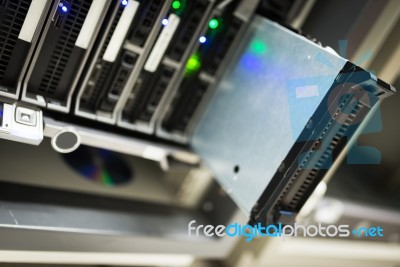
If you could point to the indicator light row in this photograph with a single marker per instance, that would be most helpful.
(64, 7)
(193, 64)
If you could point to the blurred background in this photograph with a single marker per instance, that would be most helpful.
(97, 190)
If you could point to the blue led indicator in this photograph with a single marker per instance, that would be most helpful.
(63, 7)
(164, 22)
(202, 39)
(124, 2)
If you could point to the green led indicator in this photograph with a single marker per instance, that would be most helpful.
(176, 5)
(258, 47)
(193, 64)
(213, 24)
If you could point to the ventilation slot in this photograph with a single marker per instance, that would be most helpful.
(147, 94)
(144, 23)
(10, 27)
(185, 104)
(224, 46)
(315, 170)
(118, 78)
(101, 71)
(111, 32)
(119, 82)
(186, 32)
(93, 87)
(157, 94)
(65, 43)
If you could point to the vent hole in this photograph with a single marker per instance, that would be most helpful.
(236, 169)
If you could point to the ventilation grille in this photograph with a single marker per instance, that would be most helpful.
(149, 11)
(126, 63)
(100, 73)
(9, 30)
(184, 105)
(223, 46)
(93, 87)
(192, 105)
(309, 179)
(185, 34)
(155, 97)
(147, 94)
(63, 49)
(119, 82)
(135, 94)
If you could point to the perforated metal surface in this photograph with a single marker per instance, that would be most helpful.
(263, 102)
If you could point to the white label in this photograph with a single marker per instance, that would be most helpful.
(307, 91)
(120, 31)
(90, 23)
(31, 21)
(162, 43)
